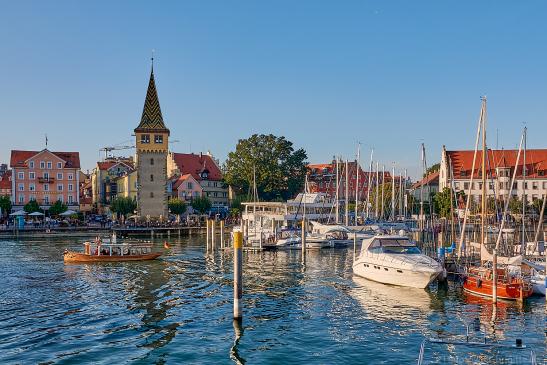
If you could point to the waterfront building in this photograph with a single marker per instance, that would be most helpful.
(184, 187)
(151, 137)
(501, 165)
(104, 184)
(86, 193)
(126, 184)
(5, 184)
(205, 170)
(322, 179)
(45, 176)
(428, 185)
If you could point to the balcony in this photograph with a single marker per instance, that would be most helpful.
(46, 180)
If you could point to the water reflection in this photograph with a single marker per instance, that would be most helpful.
(384, 302)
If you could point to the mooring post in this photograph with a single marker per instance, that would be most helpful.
(207, 229)
(354, 245)
(495, 277)
(212, 234)
(238, 274)
(222, 234)
(304, 239)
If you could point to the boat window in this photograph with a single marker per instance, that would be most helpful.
(393, 246)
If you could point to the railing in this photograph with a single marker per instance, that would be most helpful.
(46, 180)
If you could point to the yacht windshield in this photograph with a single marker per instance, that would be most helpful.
(394, 246)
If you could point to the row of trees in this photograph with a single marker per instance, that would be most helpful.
(442, 201)
(123, 206)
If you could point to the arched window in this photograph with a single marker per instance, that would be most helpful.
(151, 161)
(151, 177)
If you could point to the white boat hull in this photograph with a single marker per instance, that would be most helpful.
(538, 283)
(395, 276)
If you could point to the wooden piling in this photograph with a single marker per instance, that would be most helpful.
(207, 238)
(495, 277)
(303, 239)
(222, 234)
(238, 274)
(212, 234)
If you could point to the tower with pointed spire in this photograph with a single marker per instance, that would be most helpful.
(151, 161)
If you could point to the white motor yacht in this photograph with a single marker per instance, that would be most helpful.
(393, 259)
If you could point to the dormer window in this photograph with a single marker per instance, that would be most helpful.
(158, 138)
(204, 175)
(145, 138)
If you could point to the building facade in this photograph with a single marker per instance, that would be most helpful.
(425, 187)
(151, 138)
(322, 179)
(184, 187)
(104, 180)
(46, 177)
(205, 170)
(530, 178)
(5, 184)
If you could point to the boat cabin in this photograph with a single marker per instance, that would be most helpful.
(116, 249)
(392, 245)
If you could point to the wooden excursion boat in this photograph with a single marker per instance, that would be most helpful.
(112, 252)
(479, 281)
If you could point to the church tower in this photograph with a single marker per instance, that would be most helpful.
(151, 161)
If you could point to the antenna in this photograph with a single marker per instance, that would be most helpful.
(46, 140)
(152, 58)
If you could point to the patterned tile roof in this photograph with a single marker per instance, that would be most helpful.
(152, 119)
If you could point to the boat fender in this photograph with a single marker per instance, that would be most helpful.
(479, 283)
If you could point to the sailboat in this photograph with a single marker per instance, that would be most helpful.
(489, 280)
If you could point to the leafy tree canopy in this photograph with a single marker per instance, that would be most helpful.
(202, 204)
(32, 206)
(5, 204)
(123, 205)
(280, 170)
(57, 208)
(177, 206)
(434, 168)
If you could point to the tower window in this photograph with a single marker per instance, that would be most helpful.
(151, 177)
(145, 138)
(151, 161)
(151, 194)
(158, 138)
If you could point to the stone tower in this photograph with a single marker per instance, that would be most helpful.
(151, 161)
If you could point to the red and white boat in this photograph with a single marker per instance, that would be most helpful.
(479, 281)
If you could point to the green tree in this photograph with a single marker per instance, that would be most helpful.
(515, 205)
(202, 204)
(442, 201)
(537, 204)
(434, 168)
(123, 205)
(279, 169)
(57, 208)
(32, 206)
(236, 207)
(177, 207)
(5, 204)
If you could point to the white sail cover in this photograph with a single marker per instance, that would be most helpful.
(487, 256)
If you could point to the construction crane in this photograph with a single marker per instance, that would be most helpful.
(109, 149)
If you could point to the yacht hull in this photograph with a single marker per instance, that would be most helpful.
(386, 274)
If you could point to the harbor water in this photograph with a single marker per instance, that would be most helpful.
(178, 309)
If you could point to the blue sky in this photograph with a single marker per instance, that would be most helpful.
(391, 74)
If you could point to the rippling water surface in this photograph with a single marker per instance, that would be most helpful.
(179, 310)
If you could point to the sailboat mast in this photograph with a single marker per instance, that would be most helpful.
(405, 199)
(383, 189)
(376, 195)
(346, 195)
(357, 167)
(369, 181)
(393, 192)
(337, 193)
(450, 173)
(524, 199)
(422, 190)
(483, 175)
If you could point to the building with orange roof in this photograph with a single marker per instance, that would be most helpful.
(46, 177)
(5, 184)
(500, 168)
(104, 180)
(205, 170)
(184, 187)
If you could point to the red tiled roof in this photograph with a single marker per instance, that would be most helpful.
(19, 158)
(430, 179)
(5, 181)
(536, 160)
(105, 165)
(189, 163)
(180, 180)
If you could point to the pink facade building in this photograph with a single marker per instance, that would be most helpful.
(45, 176)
